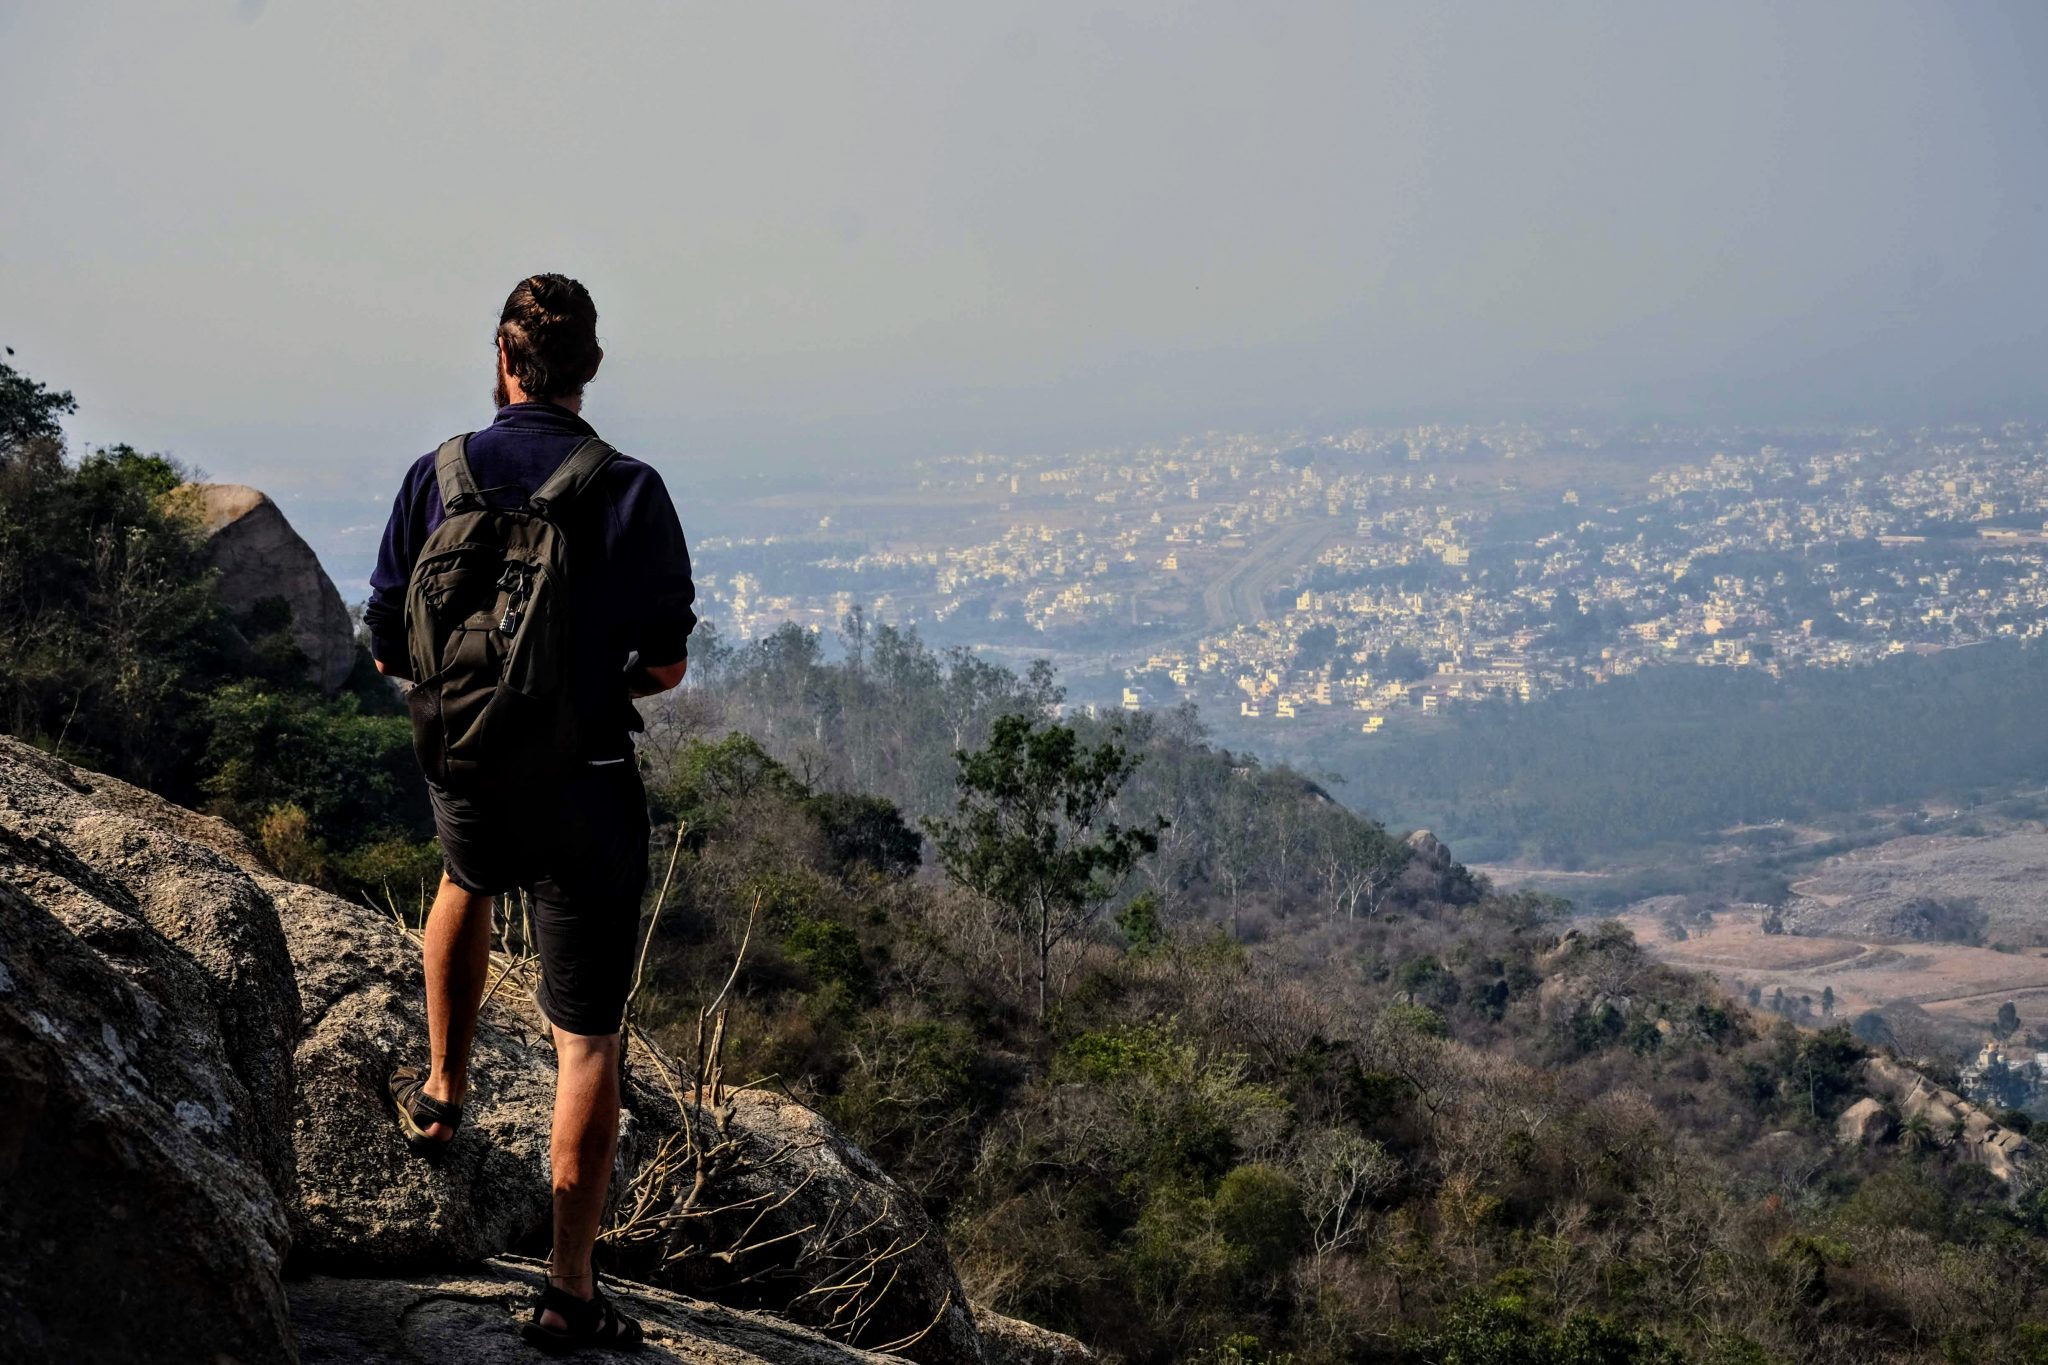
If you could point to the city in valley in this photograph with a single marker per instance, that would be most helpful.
(1351, 582)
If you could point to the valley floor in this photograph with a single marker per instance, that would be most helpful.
(1953, 982)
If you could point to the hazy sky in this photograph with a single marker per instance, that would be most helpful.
(272, 237)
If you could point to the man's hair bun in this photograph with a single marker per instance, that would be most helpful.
(549, 330)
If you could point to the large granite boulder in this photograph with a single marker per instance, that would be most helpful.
(136, 1219)
(260, 556)
(1865, 1123)
(365, 1203)
(108, 858)
(472, 1315)
(1428, 851)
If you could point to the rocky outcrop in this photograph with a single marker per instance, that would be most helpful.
(1865, 1123)
(260, 556)
(1946, 1117)
(790, 1204)
(108, 859)
(809, 1210)
(136, 1218)
(195, 1053)
(473, 1316)
(1007, 1341)
(366, 1205)
(1429, 851)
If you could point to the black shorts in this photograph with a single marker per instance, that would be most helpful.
(580, 850)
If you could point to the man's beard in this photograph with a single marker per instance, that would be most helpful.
(500, 396)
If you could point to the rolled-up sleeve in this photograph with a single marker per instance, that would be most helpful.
(668, 594)
(384, 613)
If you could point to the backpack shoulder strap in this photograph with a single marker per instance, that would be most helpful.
(576, 473)
(451, 469)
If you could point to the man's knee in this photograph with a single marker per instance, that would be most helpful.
(578, 1051)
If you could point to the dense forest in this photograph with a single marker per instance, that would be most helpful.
(1669, 756)
(1188, 1059)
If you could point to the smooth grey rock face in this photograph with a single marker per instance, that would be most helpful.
(1863, 1124)
(107, 859)
(474, 1316)
(1429, 850)
(135, 1219)
(259, 555)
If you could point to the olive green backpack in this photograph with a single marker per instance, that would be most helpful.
(488, 628)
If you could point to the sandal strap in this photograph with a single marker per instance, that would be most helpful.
(410, 1087)
(436, 1111)
(592, 1319)
(580, 1314)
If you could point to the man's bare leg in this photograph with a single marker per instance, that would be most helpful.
(585, 1138)
(458, 961)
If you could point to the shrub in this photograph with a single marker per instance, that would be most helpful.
(831, 953)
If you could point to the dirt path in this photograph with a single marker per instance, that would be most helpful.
(2003, 992)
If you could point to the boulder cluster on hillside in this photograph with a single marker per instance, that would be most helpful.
(197, 1161)
(1901, 1096)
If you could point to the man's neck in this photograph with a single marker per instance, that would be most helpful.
(574, 405)
(515, 394)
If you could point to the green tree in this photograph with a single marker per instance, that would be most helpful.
(29, 413)
(110, 629)
(1033, 832)
(1139, 923)
(2008, 1019)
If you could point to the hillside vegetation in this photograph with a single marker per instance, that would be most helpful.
(1267, 1120)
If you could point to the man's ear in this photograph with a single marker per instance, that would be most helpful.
(600, 361)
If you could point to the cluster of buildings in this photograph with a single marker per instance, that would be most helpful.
(2005, 1078)
(1372, 573)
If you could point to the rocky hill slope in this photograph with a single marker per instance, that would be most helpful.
(196, 1161)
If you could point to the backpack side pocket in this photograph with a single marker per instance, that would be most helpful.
(429, 729)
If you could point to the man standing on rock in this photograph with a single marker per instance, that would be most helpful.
(532, 581)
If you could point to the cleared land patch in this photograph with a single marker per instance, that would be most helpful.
(1951, 980)
(2005, 875)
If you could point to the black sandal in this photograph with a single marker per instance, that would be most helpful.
(417, 1109)
(592, 1324)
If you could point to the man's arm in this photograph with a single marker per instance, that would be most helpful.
(668, 593)
(384, 614)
